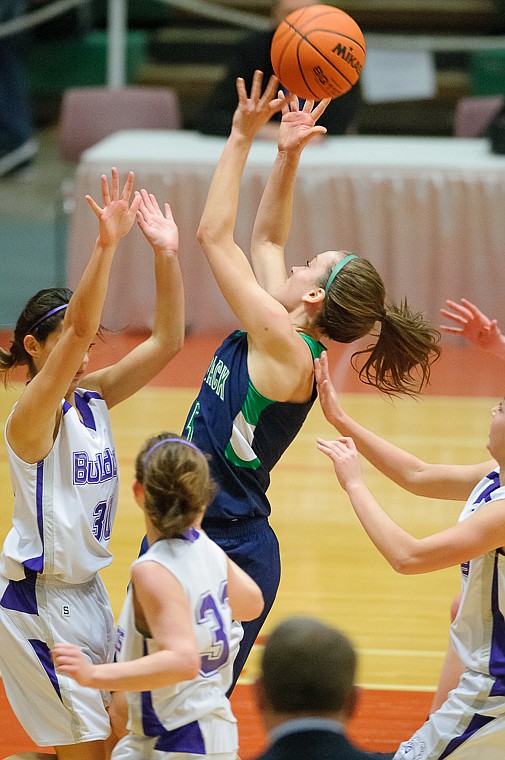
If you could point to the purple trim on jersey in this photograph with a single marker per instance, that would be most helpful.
(37, 563)
(82, 405)
(151, 724)
(191, 535)
(497, 654)
(43, 653)
(66, 406)
(477, 722)
(20, 595)
(485, 495)
(186, 738)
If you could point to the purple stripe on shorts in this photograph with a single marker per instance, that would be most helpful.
(477, 722)
(20, 595)
(43, 653)
(187, 738)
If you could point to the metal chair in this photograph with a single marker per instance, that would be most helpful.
(88, 114)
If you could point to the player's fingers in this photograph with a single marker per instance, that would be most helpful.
(128, 186)
(256, 85)
(241, 90)
(454, 317)
(459, 308)
(321, 108)
(94, 205)
(147, 200)
(473, 309)
(114, 184)
(105, 189)
(270, 89)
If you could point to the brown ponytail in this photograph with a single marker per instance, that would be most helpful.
(399, 362)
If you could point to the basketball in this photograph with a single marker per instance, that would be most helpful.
(318, 52)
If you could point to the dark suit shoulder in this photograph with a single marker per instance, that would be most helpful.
(316, 745)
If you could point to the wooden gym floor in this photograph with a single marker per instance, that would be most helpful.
(330, 568)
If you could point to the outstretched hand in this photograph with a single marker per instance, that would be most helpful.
(298, 126)
(69, 660)
(326, 392)
(255, 110)
(116, 216)
(472, 324)
(344, 455)
(160, 230)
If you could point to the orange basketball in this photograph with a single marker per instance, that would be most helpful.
(318, 52)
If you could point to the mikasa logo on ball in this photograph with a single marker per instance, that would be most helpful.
(348, 57)
(318, 51)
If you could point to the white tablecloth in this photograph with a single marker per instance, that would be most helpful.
(428, 212)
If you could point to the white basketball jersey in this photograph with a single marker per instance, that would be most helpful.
(64, 505)
(201, 568)
(478, 632)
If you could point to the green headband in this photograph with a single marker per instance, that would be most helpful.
(336, 269)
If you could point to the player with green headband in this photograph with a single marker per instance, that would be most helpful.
(260, 384)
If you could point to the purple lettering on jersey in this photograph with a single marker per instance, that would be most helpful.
(101, 468)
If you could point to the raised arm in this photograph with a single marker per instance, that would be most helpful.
(228, 262)
(470, 323)
(480, 533)
(273, 220)
(139, 366)
(32, 425)
(439, 481)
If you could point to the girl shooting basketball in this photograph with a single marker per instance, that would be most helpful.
(260, 385)
(64, 473)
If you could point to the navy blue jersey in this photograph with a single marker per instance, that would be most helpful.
(244, 432)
